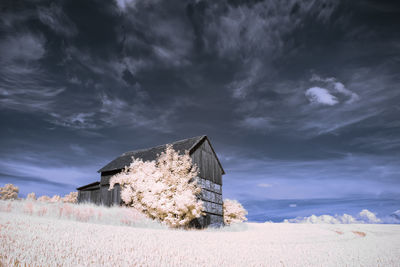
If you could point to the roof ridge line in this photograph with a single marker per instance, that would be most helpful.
(178, 141)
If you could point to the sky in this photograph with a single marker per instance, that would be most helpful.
(300, 99)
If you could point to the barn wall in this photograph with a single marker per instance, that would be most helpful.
(211, 195)
(210, 180)
(105, 176)
(90, 196)
(83, 196)
(116, 195)
(110, 197)
(101, 196)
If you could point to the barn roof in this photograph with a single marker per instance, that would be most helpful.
(149, 154)
(88, 185)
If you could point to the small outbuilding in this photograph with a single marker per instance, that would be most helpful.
(202, 154)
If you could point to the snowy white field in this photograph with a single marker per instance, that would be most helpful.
(53, 238)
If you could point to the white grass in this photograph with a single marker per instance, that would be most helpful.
(79, 212)
(50, 241)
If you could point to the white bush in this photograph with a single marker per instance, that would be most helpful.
(31, 196)
(44, 199)
(9, 191)
(72, 197)
(164, 189)
(233, 212)
(55, 198)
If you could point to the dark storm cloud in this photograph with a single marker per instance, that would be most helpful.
(293, 94)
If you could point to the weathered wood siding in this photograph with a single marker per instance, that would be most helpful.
(210, 180)
(110, 197)
(105, 177)
(91, 196)
(211, 195)
(207, 163)
(101, 196)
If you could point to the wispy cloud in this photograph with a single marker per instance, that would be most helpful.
(257, 123)
(39, 173)
(22, 47)
(24, 86)
(113, 111)
(380, 141)
(127, 5)
(54, 17)
(254, 29)
(167, 40)
(54, 174)
(248, 81)
(264, 185)
(75, 120)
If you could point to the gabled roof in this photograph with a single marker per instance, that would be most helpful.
(88, 185)
(149, 154)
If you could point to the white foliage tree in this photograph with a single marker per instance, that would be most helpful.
(9, 191)
(164, 189)
(233, 212)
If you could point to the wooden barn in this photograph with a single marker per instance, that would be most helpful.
(202, 153)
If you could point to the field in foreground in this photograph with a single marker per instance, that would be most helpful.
(50, 242)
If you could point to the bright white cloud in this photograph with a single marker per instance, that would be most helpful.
(369, 217)
(332, 86)
(320, 95)
(365, 216)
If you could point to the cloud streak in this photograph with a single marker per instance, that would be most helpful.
(55, 18)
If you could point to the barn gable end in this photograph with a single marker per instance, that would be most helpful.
(206, 159)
